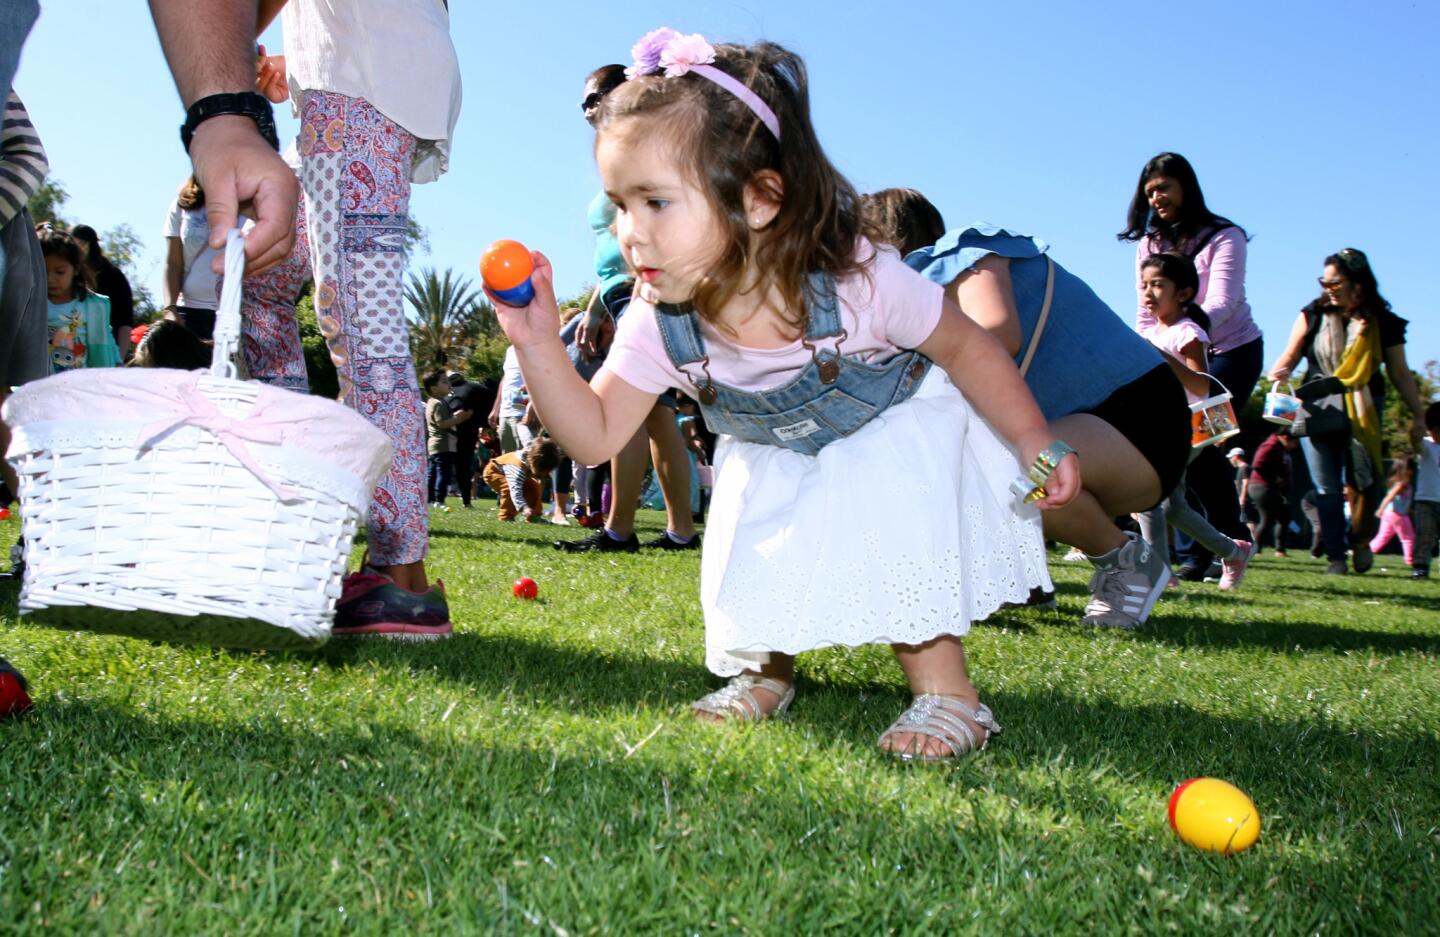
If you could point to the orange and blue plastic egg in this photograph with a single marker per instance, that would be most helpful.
(506, 267)
(1215, 816)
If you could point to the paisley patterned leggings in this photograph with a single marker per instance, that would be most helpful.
(350, 231)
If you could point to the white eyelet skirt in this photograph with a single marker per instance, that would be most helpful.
(902, 532)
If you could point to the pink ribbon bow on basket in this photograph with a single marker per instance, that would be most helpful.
(198, 411)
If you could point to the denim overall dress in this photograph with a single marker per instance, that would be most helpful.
(829, 527)
(829, 399)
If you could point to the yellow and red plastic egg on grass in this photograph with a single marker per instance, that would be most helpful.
(506, 267)
(1215, 816)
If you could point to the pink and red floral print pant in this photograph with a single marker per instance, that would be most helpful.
(350, 233)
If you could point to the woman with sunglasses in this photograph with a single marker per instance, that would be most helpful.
(1345, 336)
(1168, 213)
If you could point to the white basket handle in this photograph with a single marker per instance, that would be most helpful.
(1217, 381)
(227, 314)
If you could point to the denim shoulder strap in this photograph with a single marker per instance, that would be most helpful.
(680, 333)
(823, 316)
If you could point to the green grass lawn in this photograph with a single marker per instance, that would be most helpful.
(539, 772)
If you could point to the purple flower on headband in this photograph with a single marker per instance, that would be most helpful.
(682, 53)
(648, 50)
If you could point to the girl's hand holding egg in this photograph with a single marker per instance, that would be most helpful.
(520, 283)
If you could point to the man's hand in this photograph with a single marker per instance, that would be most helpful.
(239, 170)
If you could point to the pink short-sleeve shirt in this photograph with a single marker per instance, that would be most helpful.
(886, 309)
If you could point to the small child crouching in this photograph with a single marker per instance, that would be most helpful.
(515, 477)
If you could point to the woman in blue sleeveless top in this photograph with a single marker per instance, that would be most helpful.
(1104, 389)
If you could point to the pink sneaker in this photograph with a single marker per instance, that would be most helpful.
(371, 604)
(1233, 571)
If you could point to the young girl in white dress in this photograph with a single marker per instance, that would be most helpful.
(861, 495)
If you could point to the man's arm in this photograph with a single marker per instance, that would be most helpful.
(23, 165)
(210, 45)
(269, 9)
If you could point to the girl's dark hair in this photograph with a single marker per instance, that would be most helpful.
(168, 344)
(55, 243)
(1180, 270)
(95, 256)
(725, 147)
(1355, 267)
(191, 195)
(902, 218)
(1195, 217)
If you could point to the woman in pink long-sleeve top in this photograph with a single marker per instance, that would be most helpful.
(1168, 213)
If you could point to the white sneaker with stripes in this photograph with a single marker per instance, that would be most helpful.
(1123, 594)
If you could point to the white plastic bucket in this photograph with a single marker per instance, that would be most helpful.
(1281, 407)
(1212, 420)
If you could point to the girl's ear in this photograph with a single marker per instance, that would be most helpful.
(1184, 296)
(763, 194)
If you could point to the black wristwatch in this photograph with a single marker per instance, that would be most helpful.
(246, 103)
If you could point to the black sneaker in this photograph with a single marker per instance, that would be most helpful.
(1420, 572)
(663, 542)
(1191, 572)
(1362, 559)
(600, 542)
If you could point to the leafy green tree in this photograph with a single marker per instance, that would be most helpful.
(123, 246)
(1397, 419)
(417, 238)
(443, 320)
(46, 203)
(324, 381)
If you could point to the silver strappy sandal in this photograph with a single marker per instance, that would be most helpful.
(736, 699)
(940, 717)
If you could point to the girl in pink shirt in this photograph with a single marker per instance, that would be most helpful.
(1168, 285)
(859, 498)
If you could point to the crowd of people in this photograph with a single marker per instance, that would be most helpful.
(758, 318)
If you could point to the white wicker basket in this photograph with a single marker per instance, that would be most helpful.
(188, 506)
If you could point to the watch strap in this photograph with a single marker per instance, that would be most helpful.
(244, 103)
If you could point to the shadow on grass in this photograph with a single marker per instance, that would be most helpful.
(178, 783)
(582, 678)
(1193, 629)
(1297, 761)
(1382, 595)
(1049, 736)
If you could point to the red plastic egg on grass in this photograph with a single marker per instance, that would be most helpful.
(525, 588)
(1215, 816)
(4, 514)
(506, 267)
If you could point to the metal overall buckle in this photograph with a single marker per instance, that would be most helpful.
(829, 368)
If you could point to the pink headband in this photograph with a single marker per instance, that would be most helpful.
(679, 54)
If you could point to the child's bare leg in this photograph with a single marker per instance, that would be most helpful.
(407, 575)
(937, 667)
(780, 667)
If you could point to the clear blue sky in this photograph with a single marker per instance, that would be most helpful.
(1313, 125)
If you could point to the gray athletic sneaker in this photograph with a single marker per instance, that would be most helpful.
(1125, 589)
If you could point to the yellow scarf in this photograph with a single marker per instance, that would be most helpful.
(1356, 368)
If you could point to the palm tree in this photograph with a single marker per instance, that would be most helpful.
(442, 312)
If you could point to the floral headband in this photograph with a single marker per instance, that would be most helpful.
(678, 54)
